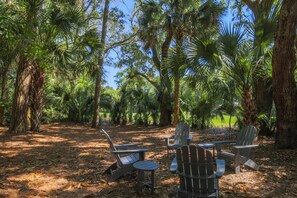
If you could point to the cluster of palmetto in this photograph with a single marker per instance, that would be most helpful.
(136, 104)
(42, 39)
(186, 41)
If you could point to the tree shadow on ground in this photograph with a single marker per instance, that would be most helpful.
(67, 160)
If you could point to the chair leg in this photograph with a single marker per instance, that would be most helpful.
(120, 172)
(250, 163)
(110, 169)
(237, 168)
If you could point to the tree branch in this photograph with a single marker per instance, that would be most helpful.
(155, 84)
(122, 42)
(156, 57)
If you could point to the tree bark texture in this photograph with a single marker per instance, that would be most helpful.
(264, 100)
(176, 100)
(165, 87)
(164, 96)
(3, 96)
(263, 96)
(36, 97)
(19, 114)
(284, 84)
(165, 109)
(248, 107)
(99, 71)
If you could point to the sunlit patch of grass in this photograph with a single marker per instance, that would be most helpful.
(218, 122)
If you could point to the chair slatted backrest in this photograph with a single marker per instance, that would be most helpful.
(195, 169)
(112, 147)
(246, 136)
(182, 131)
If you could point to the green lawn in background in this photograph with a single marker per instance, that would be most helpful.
(218, 122)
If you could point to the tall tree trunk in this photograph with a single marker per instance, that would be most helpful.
(179, 43)
(99, 71)
(165, 90)
(284, 84)
(3, 96)
(165, 109)
(19, 113)
(262, 90)
(36, 97)
(176, 100)
(263, 96)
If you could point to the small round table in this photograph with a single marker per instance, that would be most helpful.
(209, 146)
(143, 166)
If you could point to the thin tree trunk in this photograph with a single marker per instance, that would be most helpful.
(99, 71)
(36, 97)
(179, 41)
(176, 100)
(19, 113)
(284, 84)
(230, 118)
(3, 97)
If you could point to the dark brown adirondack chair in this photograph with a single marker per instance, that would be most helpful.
(181, 137)
(242, 149)
(195, 167)
(126, 155)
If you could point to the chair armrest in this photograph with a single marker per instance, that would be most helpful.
(246, 146)
(169, 136)
(130, 151)
(224, 142)
(189, 138)
(219, 143)
(173, 166)
(220, 167)
(126, 145)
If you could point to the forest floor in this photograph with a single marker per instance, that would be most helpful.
(67, 160)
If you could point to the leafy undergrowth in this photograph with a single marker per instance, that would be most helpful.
(67, 160)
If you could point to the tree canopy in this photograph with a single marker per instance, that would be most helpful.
(176, 60)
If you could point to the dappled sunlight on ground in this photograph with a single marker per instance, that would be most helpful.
(68, 160)
(40, 181)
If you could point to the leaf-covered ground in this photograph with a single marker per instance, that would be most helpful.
(67, 160)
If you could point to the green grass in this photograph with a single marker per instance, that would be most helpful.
(218, 122)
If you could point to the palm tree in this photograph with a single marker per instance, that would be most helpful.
(162, 22)
(262, 28)
(41, 24)
(231, 54)
(235, 55)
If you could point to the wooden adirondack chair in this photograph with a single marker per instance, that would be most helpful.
(125, 158)
(242, 149)
(195, 167)
(181, 137)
